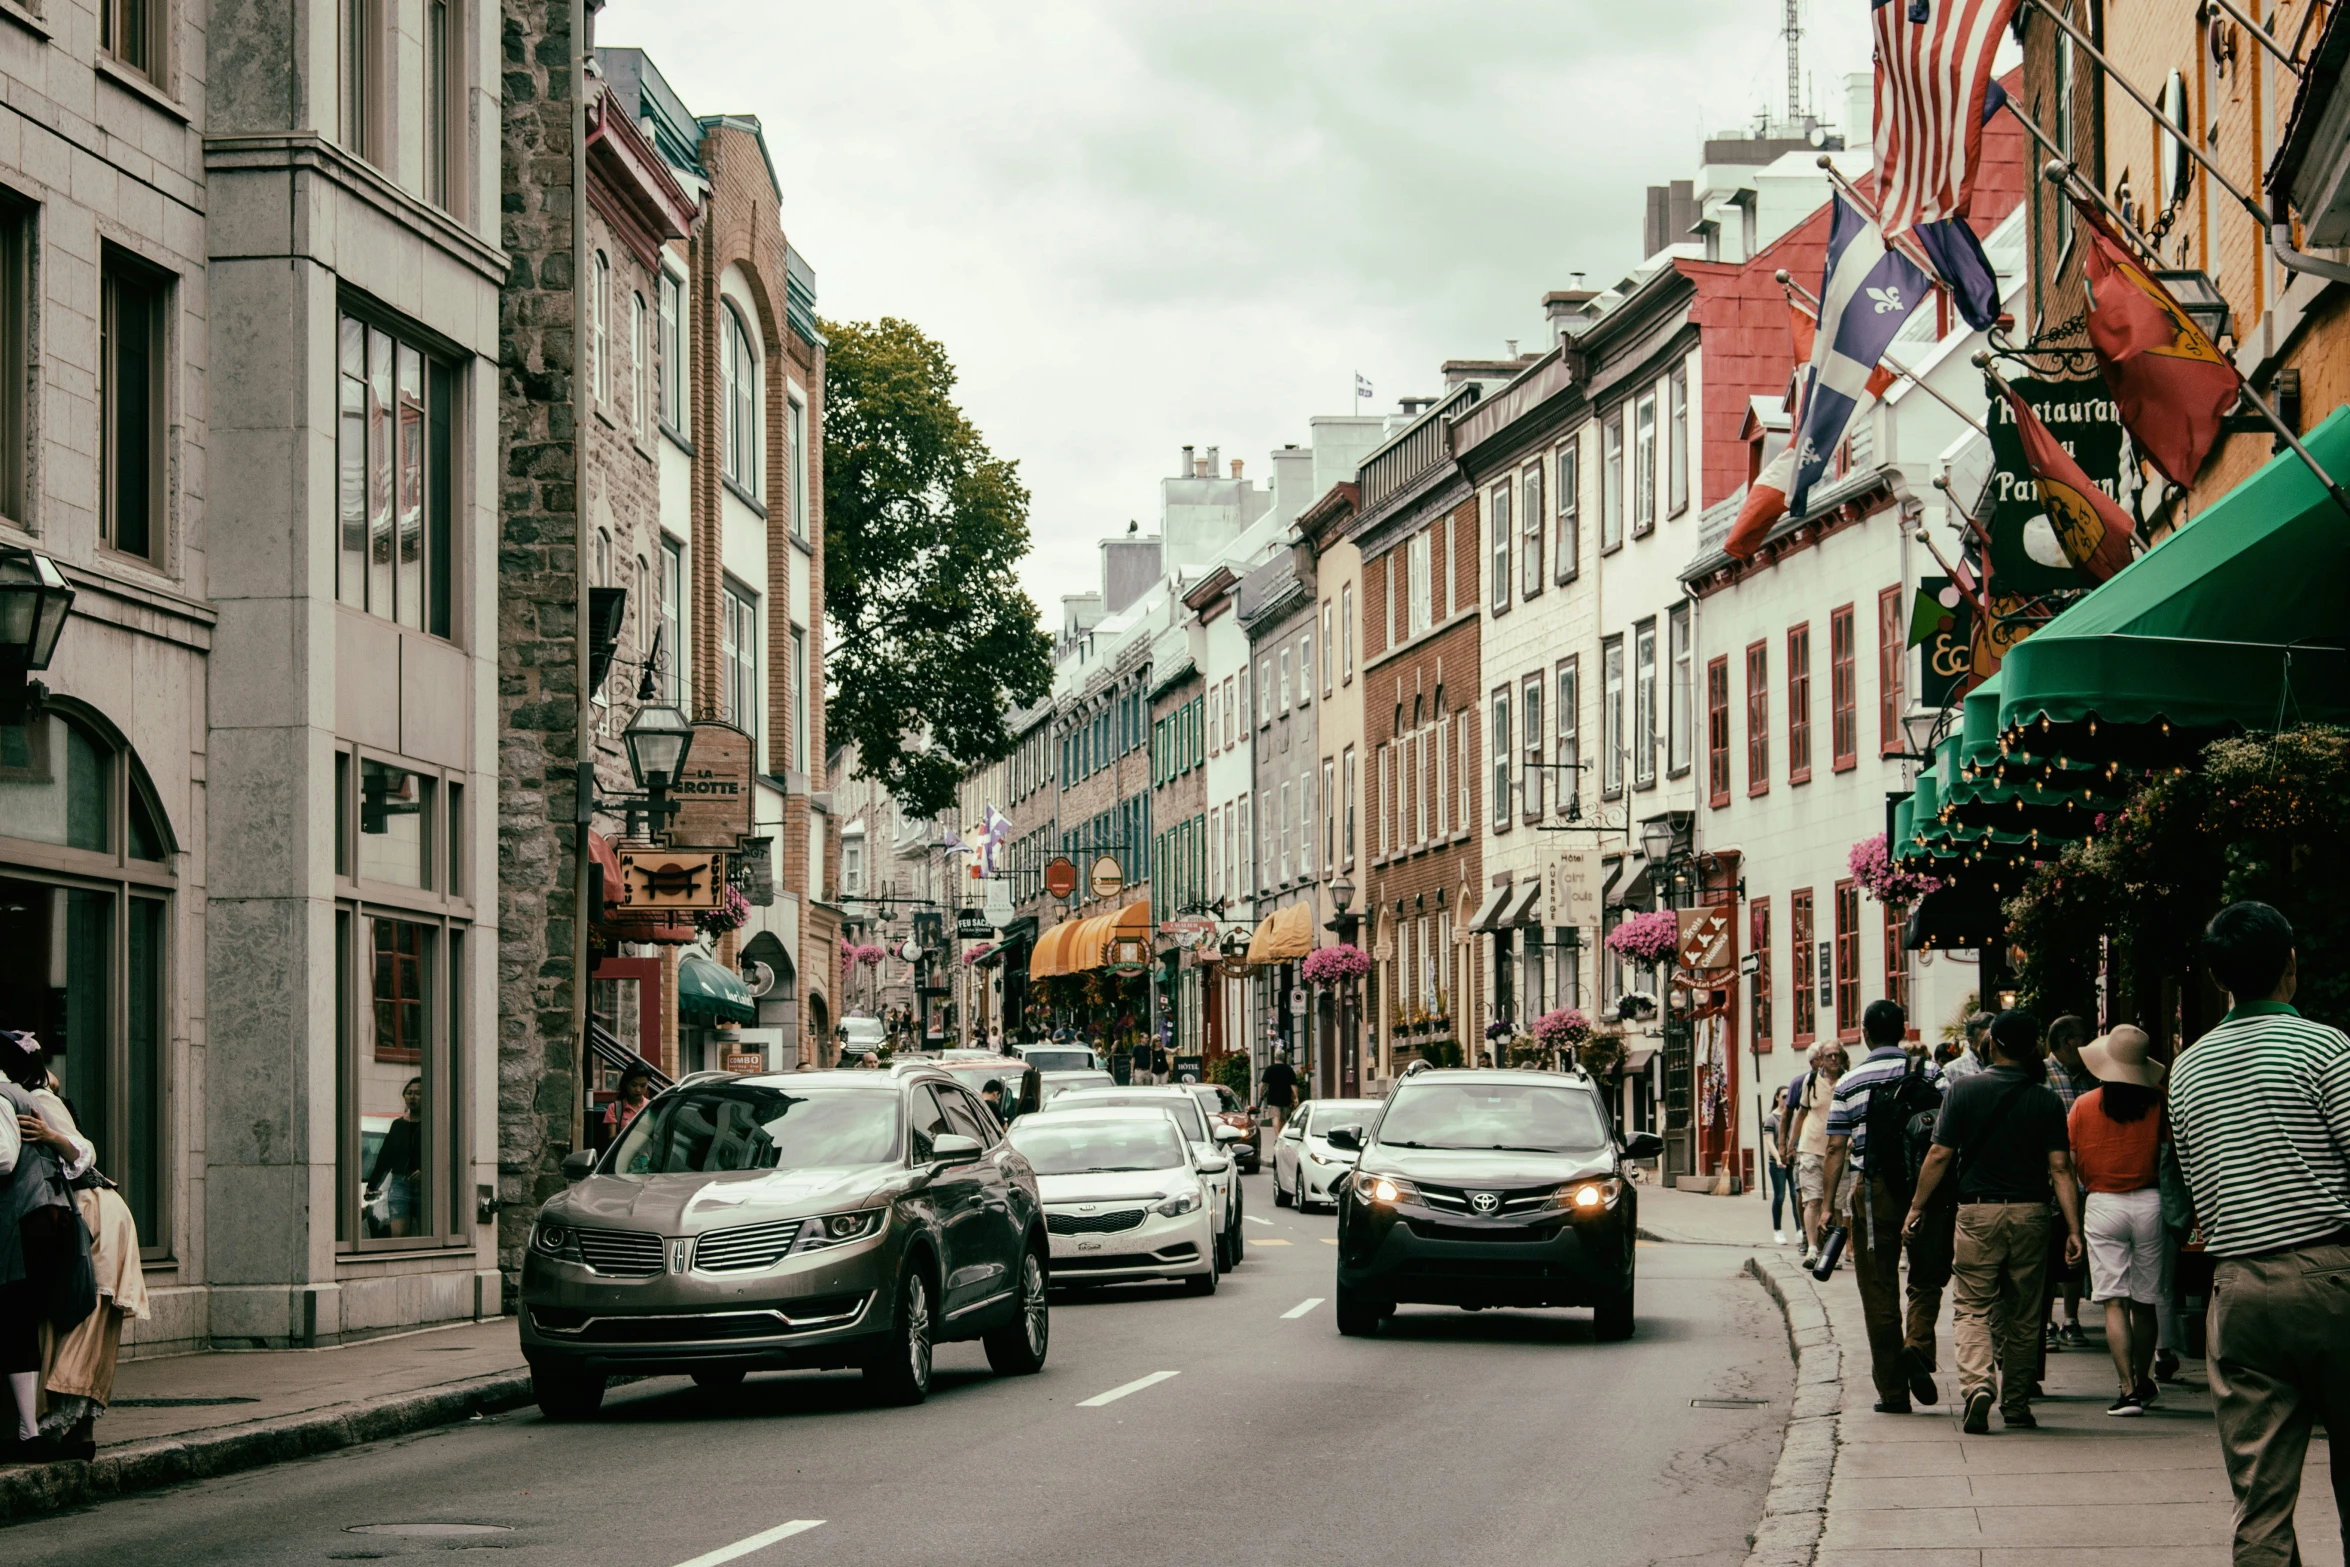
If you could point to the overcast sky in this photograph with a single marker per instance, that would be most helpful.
(1136, 223)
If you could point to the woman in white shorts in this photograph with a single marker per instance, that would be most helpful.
(2117, 1133)
(1809, 1138)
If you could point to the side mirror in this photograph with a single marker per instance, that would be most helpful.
(1643, 1145)
(1226, 1134)
(579, 1164)
(1214, 1164)
(954, 1148)
(1346, 1137)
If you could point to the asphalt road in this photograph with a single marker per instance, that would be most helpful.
(1266, 1437)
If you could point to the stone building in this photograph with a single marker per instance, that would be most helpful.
(1179, 847)
(1278, 611)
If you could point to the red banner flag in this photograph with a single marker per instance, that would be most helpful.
(2173, 383)
(2093, 529)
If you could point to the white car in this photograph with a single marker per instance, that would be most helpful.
(1210, 1148)
(1306, 1169)
(1123, 1197)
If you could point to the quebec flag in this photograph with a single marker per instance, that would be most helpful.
(1865, 296)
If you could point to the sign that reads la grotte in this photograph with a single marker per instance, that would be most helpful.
(714, 797)
(2026, 556)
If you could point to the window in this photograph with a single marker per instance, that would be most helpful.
(1284, 821)
(1305, 669)
(1247, 862)
(1443, 810)
(795, 435)
(1465, 748)
(444, 69)
(1382, 774)
(1566, 742)
(134, 31)
(1759, 942)
(1568, 555)
(1677, 446)
(398, 989)
(1611, 482)
(1284, 667)
(1346, 632)
(1306, 806)
(672, 592)
(1419, 604)
(1806, 994)
(1265, 690)
(1758, 719)
(1347, 783)
(1611, 717)
(16, 351)
(1329, 803)
(1497, 523)
(1242, 711)
(1501, 759)
(1892, 672)
(1532, 524)
(396, 828)
(1644, 704)
(1530, 722)
(1717, 732)
(1680, 692)
(1847, 960)
(393, 480)
(1843, 690)
(132, 383)
(1896, 959)
(640, 370)
(1329, 643)
(599, 305)
(738, 399)
(364, 51)
(1644, 465)
(738, 660)
(1799, 704)
(799, 699)
(676, 357)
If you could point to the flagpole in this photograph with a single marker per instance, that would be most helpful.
(1800, 292)
(2059, 167)
(1981, 533)
(1904, 244)
(2179, 134)
(1981, 602)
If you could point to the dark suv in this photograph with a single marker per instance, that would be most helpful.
(811, 1219)
(1489, 1188)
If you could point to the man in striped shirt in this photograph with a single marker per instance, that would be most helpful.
(2260, 1115)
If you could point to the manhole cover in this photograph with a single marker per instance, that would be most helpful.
(433, 1530)
(175, 1403)
(1727, 1403)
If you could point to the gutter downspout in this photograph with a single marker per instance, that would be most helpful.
(584, 805)
(2280, 244)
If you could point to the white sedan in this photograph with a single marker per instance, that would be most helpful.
(1306, 1169)
(1123, 1197)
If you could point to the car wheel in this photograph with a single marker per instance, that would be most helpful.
(566, 1392)
(1280, 1197)
(1358, 1317)
(1202, 1283)
(1239, 1246)
(1017, 1348)
(899, 1372)
(720, 1378)
(1612, 1319)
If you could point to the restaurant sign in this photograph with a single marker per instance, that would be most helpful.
(714, 798)
(2026, 556)
(670, 881)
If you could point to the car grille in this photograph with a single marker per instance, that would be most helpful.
(1093, 1223)
(1455, 1199)
(1181, 1251)
(621, 1254)
(1484, 1268)
(702, 1327)
(1480, 1233)
(752, 1246)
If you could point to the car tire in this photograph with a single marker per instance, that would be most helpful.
(1017, 1349)
(565, 1391)
(1357, 1316)
(1611, 1320)
(1201, 1283)
(1239, 1246)
(899, 1370)
(1280, 1197)
(719, 1379)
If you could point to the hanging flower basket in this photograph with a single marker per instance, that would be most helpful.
(1647, 938)
(1498, 1031)
(1883, 880)
(733, 913)
(1327, 966)
(1603, 1056)
(1563, 1029)
(870, 954)
(972, 955)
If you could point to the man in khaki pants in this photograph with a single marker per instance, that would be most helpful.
(2005, 1130)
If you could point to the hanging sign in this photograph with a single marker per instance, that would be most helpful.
(1571, 892)
(998, 892)
(1109, 877)
(1705, 939)
(973, 925)
(663, 881)
(1060, 876)
(714, 795)
(2026, 557)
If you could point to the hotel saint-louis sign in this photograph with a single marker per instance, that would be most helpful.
(714, 798)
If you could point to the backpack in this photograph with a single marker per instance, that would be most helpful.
(1900, 1120)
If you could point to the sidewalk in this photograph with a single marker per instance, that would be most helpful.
(189, 1416)
(1667, 1214)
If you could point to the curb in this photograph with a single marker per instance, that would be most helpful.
(34, 1489)
(1796, 1509)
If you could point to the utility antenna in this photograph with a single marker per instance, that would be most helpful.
(1792, 31)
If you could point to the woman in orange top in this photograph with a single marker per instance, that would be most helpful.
(2117, 1142)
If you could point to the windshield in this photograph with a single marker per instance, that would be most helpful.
(1071, 1060)
(742, 1126)
(1067, 1145)
(1184, 1109)
(1326, 1119)
(1212, 1097)
(1531, 1117)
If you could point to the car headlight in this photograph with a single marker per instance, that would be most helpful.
(555, 1240)
(1386, 1190)
(1180, 1203)
(837, 1229)
(1588, 1196)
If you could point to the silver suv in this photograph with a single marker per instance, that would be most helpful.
(809, 1219)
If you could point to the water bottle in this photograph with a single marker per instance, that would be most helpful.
(1831, 1248)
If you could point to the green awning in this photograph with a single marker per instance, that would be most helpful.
(2199, 633)
(709, 992)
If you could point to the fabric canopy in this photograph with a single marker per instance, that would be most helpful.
(1284, 935)
(2232, 622)
(1520, 909)
(1490, 909)
(710, 992)
(1089, 947)
(1048, 958)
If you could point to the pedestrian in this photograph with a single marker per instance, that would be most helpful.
(1808, 1137)
(1775, 1166)
(991, 1094)
(2069, 1078)
(2005, 1131)
(636, 1087)
(77, 1367)
(32, 1189)
(1279, 1088)
(1975, 1054)
(2260, 1118)
(396, 1180)
(2117, 1145)
(1873, 1103)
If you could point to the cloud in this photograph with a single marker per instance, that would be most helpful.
(1136, 225)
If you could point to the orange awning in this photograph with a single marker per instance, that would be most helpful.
(1050, 957)
(1283, 936)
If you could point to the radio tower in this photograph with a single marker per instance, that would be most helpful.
(1793, 32)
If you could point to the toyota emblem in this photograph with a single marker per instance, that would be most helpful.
(1485, 1202)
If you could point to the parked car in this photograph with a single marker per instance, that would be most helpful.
(1208, 1142)
(1489, 1188)
(815, 1219)
(1307, 1169)
(1059, 1056)
(861, 1035)
(1124, 1196)
(1225, 1106)
(975, 1069)
(1051, 1085)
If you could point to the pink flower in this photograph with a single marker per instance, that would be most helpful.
(1647, 938)
(1329, 965)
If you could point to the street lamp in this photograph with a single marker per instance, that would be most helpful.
(658, 740)
(1656, 839)
(1350, 1056)
(34, 600)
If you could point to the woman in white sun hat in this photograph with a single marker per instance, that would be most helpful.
(2117, 1131)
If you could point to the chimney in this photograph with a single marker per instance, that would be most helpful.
(1189, 468)
(1658, 215)
(1236, 467)
(1200, 468)
(1860, 109)
(1214, 462)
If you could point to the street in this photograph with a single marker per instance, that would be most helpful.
(1499, 1436)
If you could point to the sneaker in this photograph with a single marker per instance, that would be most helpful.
(1778, 1237)
(1921, 1379)
(1892, 1406)
(2074, 1338)
(2166, 1365)
(2019, 1420)
(2146, 1392)
(1978, 1413)
(2126, 1404)
(2049, 1336)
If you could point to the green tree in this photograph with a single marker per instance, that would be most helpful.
(932, 641)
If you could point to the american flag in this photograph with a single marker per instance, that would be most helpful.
(1933, 69)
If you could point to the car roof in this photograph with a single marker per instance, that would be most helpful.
(1516, 1074)
(1098, 1113)
(857, 1078)
(1064, 1073)
(1348, 1104)
(1163, 1090)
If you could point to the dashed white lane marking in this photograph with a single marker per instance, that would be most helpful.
(1302, 1307)
(1115, 1394)
(757, 1542)
(1273, 1242)
(1253, 1219)
(1329, 1240)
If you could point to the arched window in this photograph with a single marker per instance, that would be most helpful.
(640, 370)
(738, 363)
(599, 348)
(86, 885)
